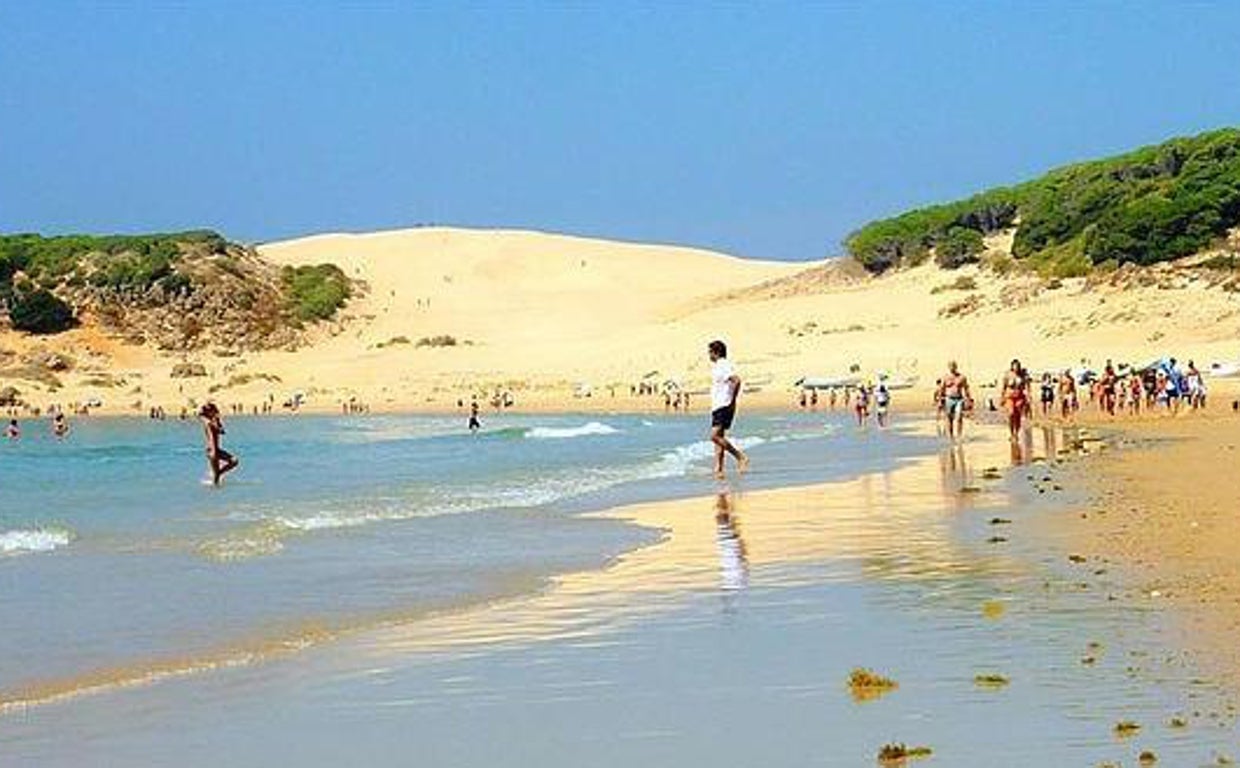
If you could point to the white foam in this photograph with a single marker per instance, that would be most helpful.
(34, 540)
(562, 433)
(523, 495)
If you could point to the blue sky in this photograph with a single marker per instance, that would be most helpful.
(767, 130)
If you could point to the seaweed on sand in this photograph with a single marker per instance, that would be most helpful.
(1126, 728)
(897, 754)
(866, 684)
(990, 680)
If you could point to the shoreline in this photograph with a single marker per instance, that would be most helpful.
(923, 523)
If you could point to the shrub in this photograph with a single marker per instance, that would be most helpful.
(315, 292)
(39, 311)
(442, 340)
(1148, 206)
(959, 246)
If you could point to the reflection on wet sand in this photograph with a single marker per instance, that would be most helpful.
(890, 525)
(733, 557)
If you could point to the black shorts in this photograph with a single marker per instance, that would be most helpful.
(722, 417)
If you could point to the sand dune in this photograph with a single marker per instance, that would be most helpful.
(540, 313)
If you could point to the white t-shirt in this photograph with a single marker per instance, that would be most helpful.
(720, 387)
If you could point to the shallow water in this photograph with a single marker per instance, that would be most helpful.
(728, 641)
(330, 524)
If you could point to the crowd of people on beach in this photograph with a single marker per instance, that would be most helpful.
(864, 399)
(1164, 387)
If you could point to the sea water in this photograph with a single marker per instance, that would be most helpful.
(114, 555)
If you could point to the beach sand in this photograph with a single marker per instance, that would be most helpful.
(1163, 511)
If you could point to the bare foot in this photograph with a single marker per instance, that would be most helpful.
(742, 464)
(719, 475)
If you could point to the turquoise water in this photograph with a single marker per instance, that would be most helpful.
(333, 524)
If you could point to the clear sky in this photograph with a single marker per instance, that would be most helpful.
(769, 130)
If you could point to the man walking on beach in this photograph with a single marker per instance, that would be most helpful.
(956, 398)
(724, 388)
(219, 461)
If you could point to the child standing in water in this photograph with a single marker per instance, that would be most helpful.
(219, 461)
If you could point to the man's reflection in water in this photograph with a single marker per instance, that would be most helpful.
(733, 557)
(953, 468)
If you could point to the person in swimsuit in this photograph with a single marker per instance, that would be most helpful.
(1135, 392)
(862, 406)
(882, 402)
(1106, 387)
(724, 389)
(13, 431)
(1048, 395)
(60, 427)
(219, 461)
(1196, 387)
(956, 397)
(474, 423)
(1067, 394)
(1015, 398)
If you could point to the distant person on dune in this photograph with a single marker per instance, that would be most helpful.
(724, 388)
(219, 461)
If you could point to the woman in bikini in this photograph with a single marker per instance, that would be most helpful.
(1016, 398)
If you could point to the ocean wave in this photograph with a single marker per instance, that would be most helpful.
(562, 433)
(17, 542)
(268, 529)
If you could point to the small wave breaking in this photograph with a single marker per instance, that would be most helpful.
(563, 433)
(27, 541)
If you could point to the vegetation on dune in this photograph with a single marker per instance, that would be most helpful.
(315, 292)
(118, 261)
(180, 290)
(1156, 204)
(39, 311)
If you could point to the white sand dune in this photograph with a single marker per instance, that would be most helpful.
(538, 313)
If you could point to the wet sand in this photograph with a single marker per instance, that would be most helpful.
(1162, 512)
